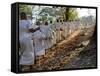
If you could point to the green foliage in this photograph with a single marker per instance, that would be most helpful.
(46, 13)
(42, 18)
(50, 13)
(25, 8)
(68, 13)
(48, 10)
(73, 14)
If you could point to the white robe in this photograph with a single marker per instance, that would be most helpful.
(58, 32)
(64, 34)
(53, 34)
(27, 49)
(38, 42)
(47, 31)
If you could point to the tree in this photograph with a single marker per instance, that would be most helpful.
(26, 8)
(67, 13)
(71, 14)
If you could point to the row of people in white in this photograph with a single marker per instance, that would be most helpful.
(34, 44)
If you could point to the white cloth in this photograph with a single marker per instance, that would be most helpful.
(27, 51)
(50, 41)
(38, 42)
(64, 26)
(48, 33)
(58, 32)
(53, 31)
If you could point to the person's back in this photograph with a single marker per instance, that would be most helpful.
(58, 26)
(38, 43)
(23, 28)
(26, 44)
(46, 29)
(53, 33)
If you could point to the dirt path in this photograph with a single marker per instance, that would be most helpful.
(64, 55)
(59, 55)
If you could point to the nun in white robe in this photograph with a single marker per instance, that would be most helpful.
(58, 31)
(46, 29)
(38, 42)
(64, 34)
(52, 27)
(50, 36)
(70, 27)
(27, 50)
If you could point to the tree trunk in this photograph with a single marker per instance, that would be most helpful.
(67, 14)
